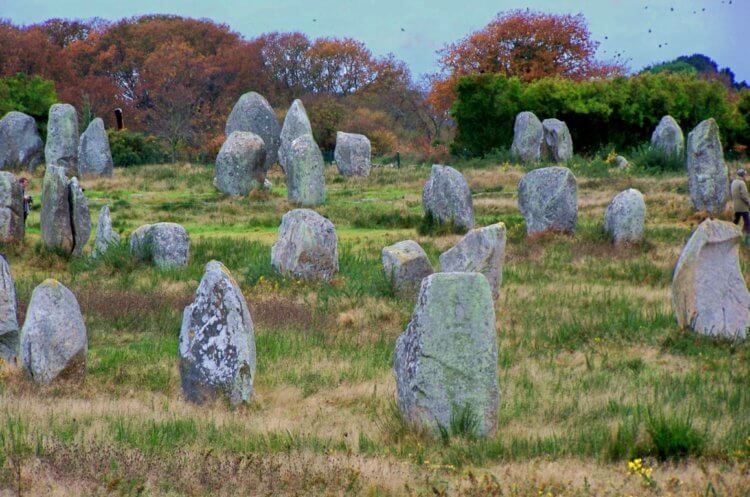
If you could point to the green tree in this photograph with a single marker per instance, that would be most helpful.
(31, 95)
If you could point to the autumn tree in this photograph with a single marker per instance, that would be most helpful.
(525, 44)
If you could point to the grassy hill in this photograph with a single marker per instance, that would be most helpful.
(593, 370)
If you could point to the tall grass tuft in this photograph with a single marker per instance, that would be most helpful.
(652, 160)
(674, 437)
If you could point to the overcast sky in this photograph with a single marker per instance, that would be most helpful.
(717, 28)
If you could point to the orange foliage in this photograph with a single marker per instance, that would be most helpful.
(526, 44)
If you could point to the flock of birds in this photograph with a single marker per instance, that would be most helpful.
(620, 55)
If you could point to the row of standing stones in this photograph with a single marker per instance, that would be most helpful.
(87, 154)
(255, 142)
(447, 357)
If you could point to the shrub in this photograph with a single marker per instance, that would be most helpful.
(130, 148)
(31, 95)
(620, 112)
(383, 141)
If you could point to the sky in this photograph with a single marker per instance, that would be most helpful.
(415, 30)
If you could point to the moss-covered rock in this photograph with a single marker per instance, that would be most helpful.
(446, 360)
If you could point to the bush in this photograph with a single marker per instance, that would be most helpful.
(132, 149)
(31, 95)
(620, 112)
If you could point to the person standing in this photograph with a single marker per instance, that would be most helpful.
(27, 200)
(741, 201)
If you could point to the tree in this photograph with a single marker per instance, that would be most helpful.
(340, 66)
(701, 65)
(525, 44)
(31, 95)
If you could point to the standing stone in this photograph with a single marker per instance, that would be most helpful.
(167, 245)
(405, 264)
(296, 124)
(65, 217)
(305, 171)
(668, 137)
(307, 246)
(8, 314)
(446, 360)
(217, 341)
(62, 137)
(709, 295)
(21, 147)
(106, 237)
(57, 232)
(527, 138)
(708, 178)
(352, 154)
(547, 198)
(53, 341)
(12, 228)
(80, 217)
(481, 250)
(625, 217)
(557, 144)
(241, 165)
(253, 113)
(94, 155)
(447, 198)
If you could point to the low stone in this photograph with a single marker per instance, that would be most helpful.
(170, 245)
(166, 245)
(557, 144)
(61, 148)
(307, 246)
(80, 217)
(21, 147)
(352, 154)
(621, 162)
(12, 227)
(8, 314)
(241, 164)
(709, 294)
(547, 198)
(57, 231)
(217, 341)
(446, 360)
(296, 124)
(94, 155)
(625, 216)
(447, 198)
(305, 171)
(253, 113)
(708, 177)
(668, 137)
(481, 250)
(405, 265)
(527, 138)
(106, 236)
(53, 341)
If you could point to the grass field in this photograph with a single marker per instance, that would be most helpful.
(593, 370)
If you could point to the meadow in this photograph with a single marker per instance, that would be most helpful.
(594, 372)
